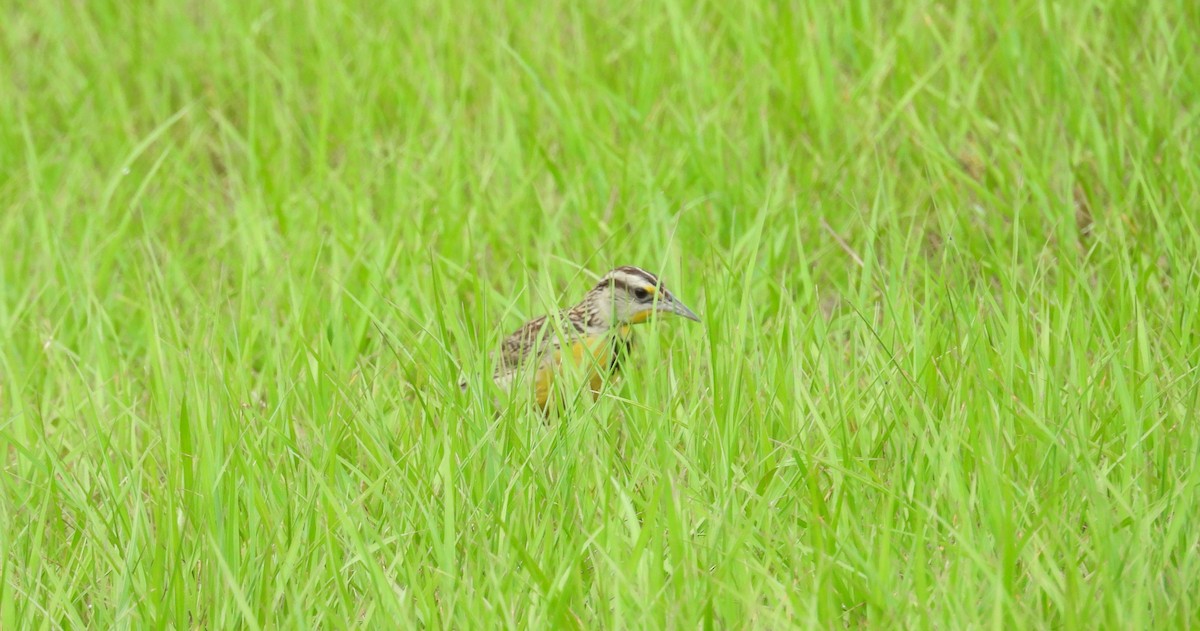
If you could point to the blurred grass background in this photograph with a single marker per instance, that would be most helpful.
(946, 254)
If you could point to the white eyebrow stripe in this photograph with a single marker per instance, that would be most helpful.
(628, 273)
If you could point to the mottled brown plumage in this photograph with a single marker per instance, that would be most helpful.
(595, 334)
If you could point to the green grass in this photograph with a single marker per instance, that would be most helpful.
(946, 255)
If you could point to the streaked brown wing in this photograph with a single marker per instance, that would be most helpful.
(535, 341)
(515, 350)
(525, 342)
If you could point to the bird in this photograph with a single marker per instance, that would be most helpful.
(594, 336)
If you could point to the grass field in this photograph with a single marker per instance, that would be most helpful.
(946, 254)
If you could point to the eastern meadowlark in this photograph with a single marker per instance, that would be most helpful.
(594, 336)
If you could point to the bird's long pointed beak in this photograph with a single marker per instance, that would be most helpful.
(678, 308)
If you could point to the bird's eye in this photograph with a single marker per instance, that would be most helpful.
(640, 293)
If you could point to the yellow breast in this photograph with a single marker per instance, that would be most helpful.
(585, 358)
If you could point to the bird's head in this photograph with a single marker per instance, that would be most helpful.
(634, 295)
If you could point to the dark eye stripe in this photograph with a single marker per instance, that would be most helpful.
(639, 293)
(643, 293)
